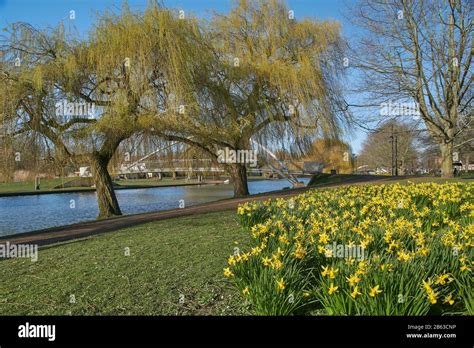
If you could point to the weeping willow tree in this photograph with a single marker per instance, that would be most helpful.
(128, 63)
(24, 94)
(260, 75)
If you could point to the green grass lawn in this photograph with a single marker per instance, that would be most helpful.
(169, 260)
(28, 186)
(323, 179)
(49, 184)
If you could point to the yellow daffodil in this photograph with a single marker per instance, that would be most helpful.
(300, 252)
(277, 264)
(266, 261)
(427, 285)
(353, 279)
(281, 284)
(231, 260)
(332, 289)
(227, 272)
(432, 296)
(329, 272)
(374, 291)
(332, 272)
(322, 249)
(323, 238)
(449, 299)
(442, 279)
(355, 293)
(384, 266)
(325, 271)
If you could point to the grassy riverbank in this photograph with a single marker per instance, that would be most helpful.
(174, 268)
(48, 185)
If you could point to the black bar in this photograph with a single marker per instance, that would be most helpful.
(242, 330)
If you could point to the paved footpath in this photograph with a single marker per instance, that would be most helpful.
(85, 229)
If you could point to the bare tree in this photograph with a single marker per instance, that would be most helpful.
(420, 51)
(381, 150)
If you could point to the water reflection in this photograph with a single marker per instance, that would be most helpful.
(28, 213)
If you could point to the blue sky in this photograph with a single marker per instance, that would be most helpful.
(50, 12)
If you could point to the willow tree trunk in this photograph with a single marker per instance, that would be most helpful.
(106, 199)
(446, 159)
(238, 173)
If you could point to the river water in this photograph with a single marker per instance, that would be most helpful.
(28, 213)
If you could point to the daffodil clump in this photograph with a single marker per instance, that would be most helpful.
(417, 259)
